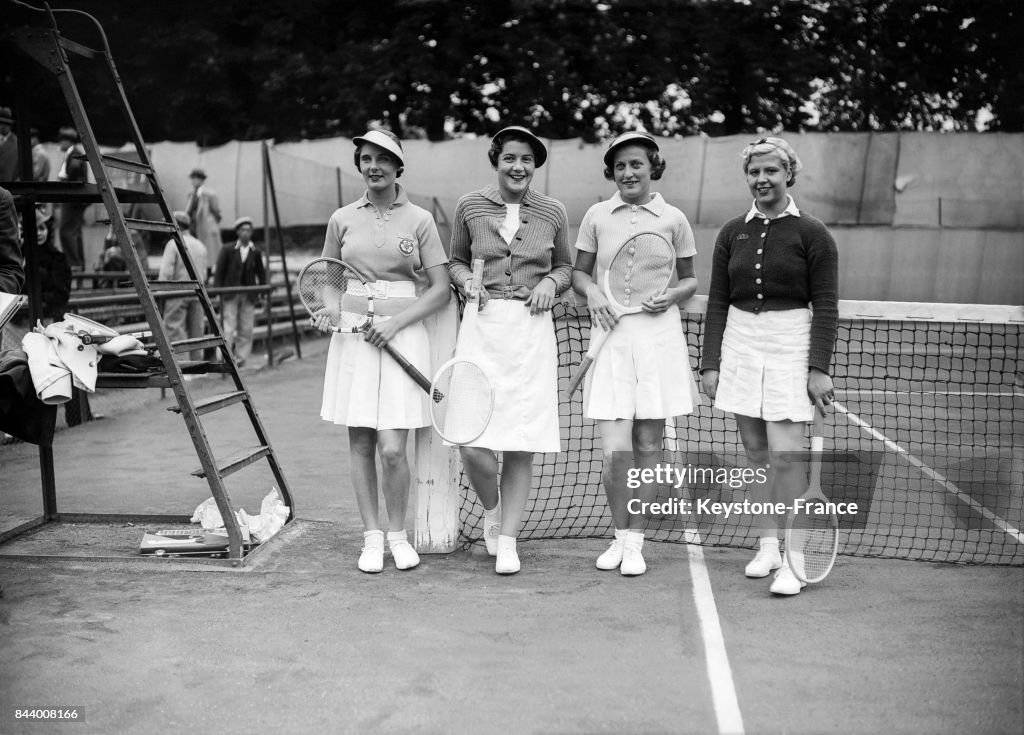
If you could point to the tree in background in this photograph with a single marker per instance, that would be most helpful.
(248, 69)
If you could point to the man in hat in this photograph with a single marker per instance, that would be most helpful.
(240, 264)
(8, 147)
(183, 317)
(203, 209)
(71, 215)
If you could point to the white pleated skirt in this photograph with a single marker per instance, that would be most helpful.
(764, 365)
(642, 371)
(519, 355)
(364, 386)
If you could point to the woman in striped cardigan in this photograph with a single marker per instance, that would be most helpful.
(523, 239)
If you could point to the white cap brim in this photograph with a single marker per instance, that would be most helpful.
(380, 140)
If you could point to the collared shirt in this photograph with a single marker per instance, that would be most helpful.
(540, 247)
(790, 210)
(608, 224)
(244, 250)
(396, 244)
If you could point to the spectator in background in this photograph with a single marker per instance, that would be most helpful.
(203, 209)
(40, 161)
(71, 215)
(12, 272)
(183, 317)
(240, 264)
(8, 147)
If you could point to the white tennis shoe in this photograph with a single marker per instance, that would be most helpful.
(402, 552)
(633, 564)
(508, 560)
(612, 556)
(371, 560)
(786, 583)
(765, 561)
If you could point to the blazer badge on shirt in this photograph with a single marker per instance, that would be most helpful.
(406, 244)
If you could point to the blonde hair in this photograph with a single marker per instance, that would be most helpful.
(764, 146)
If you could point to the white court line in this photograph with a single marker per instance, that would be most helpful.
(948, 486)
(723, 691)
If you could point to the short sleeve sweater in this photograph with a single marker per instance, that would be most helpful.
(772, 265)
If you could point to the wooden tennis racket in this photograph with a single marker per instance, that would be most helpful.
(640, 270)
(812, 528)
(332, 289)
(462, 395)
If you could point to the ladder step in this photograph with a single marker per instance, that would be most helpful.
(197, 343)
(126, 165)
(77, 48)
(237, 462)
(215, 403)
(143, 224)
(156, 287)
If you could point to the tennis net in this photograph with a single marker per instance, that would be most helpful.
(927, 437)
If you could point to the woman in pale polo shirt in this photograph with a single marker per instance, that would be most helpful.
(394, 243)
(772, 319)
(522, 236)
(641, 376)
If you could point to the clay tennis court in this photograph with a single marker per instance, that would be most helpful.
(300, 641)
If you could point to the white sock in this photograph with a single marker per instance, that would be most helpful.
(493, 515)
(374, 538)
(769, 541)
(620, 533)
(507, 542)
(397, 537)
(635, 537)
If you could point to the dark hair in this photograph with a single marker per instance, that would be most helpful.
(658, 163)
(355, 154)
(499, 141)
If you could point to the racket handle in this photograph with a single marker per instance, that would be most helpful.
(408, 367)
(579, 376)
(597, 340)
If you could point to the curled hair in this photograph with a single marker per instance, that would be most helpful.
(401, 165)
(765, 146)
(499, 141)
(658, 163)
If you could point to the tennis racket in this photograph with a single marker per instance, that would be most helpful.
(812, 529)
(462, 396)
(334, 289)
(640, 270)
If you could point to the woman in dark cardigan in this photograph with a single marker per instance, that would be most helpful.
(771, 327)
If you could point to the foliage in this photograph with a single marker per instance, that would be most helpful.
(432, 68)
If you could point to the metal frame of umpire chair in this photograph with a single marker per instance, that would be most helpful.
(49, 49)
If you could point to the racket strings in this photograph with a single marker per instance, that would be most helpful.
(461, 402)
(640, 270)
(811, 542)
(327, 287)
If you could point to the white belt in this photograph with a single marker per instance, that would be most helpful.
(384, 289)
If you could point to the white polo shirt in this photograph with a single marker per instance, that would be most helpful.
(608, 224)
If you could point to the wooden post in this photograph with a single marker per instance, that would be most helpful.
(434, 490)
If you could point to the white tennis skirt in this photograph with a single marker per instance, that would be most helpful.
(765, 365)
(364, 386)
(642, 371)
(519, 355)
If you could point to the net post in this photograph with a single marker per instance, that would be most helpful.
(435, 487)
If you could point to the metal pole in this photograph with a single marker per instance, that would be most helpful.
(280, 245)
